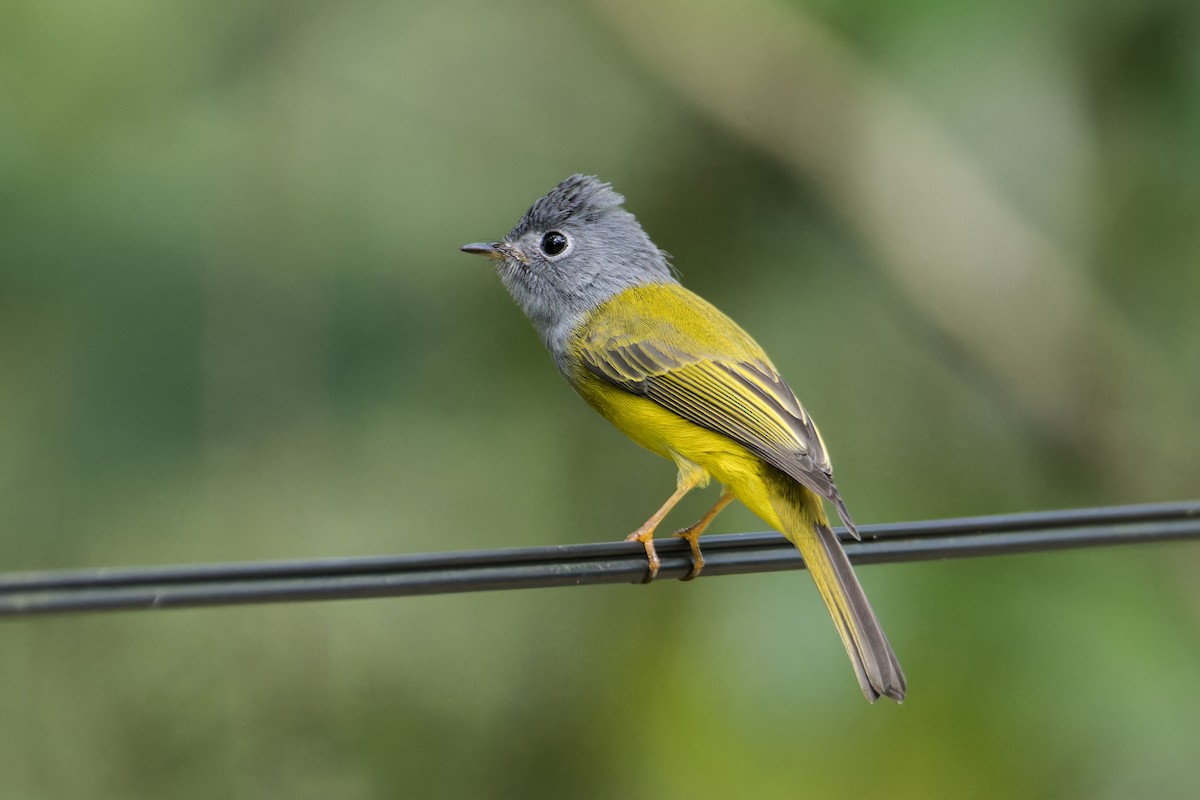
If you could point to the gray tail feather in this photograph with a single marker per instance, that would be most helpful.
(875, 663)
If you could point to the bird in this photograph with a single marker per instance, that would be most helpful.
(681, 379)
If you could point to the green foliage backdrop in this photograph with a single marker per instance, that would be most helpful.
(234, 324)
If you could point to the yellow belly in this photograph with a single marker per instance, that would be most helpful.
(673, 437)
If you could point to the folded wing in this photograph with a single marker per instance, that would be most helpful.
(744, 399)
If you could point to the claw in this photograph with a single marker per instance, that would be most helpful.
(646, 537)
(692, 533)
(693, 539)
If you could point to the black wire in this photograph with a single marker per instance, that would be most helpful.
(110, 589)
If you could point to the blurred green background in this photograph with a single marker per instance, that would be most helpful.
(234, 324)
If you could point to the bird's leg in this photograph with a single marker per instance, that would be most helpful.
(645, 534)
(692, 532)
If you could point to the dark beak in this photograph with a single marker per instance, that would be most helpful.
(483, 249)
(495, 250)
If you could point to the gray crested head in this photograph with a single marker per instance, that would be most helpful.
(575, 248)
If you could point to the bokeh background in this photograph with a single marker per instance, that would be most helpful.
(234, 324)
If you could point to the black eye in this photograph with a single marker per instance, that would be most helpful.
(553, 243)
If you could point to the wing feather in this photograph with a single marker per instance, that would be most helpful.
(744, 399)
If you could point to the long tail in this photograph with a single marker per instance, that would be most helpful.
(804, 524)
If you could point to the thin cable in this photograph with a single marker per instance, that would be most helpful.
(112, 589)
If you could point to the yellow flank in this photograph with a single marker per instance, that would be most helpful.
(673, 316)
